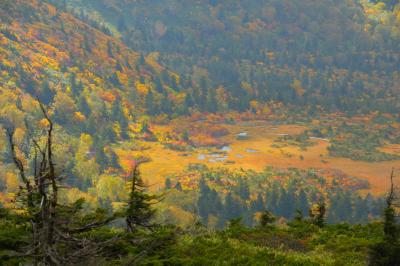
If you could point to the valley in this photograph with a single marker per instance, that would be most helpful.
(259, 151)
(258, 132)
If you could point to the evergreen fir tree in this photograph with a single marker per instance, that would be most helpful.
(267, 218)
(83, 106)
(317, 214)
(258, 204)
(302, 202)
(212, 103)
(203, 203)
(244, 191)
(168, 183)
(360, 210)
(149, 102)
(387, 252)
(178, 186)
(232, 207)
(139, 213)
(46, 94)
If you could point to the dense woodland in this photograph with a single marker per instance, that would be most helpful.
(336, 55)
(82, 82)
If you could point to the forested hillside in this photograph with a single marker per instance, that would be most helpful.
(93, 85)
(183, 132)
(336, 55)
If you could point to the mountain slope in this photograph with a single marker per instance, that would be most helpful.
(326, 53)
(51, 54)
(95, 89)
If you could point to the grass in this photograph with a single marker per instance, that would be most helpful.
(261, 136)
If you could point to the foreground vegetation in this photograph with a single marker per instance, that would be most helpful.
(42, 230)
(98, 91)
(219, 195)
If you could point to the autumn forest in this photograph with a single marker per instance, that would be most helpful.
(214, 132)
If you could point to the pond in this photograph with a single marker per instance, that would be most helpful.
(226, 149)
(213, 157)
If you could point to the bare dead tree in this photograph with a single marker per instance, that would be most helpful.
(391, 228)
(392, 197)
(55, 228)
(20, 166)
(41, 199)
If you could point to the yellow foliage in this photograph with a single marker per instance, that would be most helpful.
(118, 206)
(151, 60)
(266, 110)
(296, 85)
(21, 212)
(141, 88)
(12, 182)
(122, 78)
(254, 104)
(11, 113)
(44, 123)
(117, 129)
(8, 64)
(380, 6)
(315, 122)
(86, 140)
(52, 10)
(28, 104)
(247, 87)
(19, 135)
(111, 188)
(79, 116)
(64, 105)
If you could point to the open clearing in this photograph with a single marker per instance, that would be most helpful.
(256, 153)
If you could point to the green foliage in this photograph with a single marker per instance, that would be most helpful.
(227, 195)
(317, 214)
(267, 218)
(350, 138)
(387, 251)
(139, 212)
(330, 55)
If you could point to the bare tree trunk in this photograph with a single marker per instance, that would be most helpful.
(54, 241)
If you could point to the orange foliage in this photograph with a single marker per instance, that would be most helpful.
(107, 96)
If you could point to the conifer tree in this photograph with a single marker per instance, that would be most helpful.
(83, 106)
(258, 204)
(203, 203)
(267, 218)
(360, 210)
(302, 202)
(168, 183)
(149, 102)
(317, 214)
(387, 252)
(244, 191)
(139, 212)
(232, 208)
(178, 186)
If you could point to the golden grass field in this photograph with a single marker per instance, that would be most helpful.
(261, 137)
